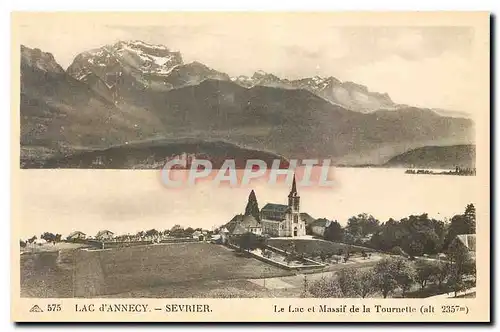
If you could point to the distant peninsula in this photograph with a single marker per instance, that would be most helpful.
(436, 157)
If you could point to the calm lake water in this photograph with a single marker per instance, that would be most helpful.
(131, 200)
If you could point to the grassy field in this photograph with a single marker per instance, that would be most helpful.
(48, 274)
(315, 246)
(169, 270)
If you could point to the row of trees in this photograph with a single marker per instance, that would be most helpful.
(175, 231)
(395, 273)
(415, 235)
(47, 236)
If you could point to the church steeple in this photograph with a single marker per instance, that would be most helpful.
(293, 192)
(293, 197)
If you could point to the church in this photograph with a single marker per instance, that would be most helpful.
(283, 220)
(275, 220)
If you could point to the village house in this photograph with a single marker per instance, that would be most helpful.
(319, 226)
(76, 235)
(241, 224)
(104, 235)
(200, 235)
(469, 242)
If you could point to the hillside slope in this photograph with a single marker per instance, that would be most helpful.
(442, 157)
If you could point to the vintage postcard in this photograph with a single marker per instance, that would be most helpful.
(250, 167)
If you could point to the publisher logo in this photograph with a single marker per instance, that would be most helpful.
(36, 308)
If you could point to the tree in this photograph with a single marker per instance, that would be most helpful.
(248, 241)
(404, 273)
(252, 208)
(176, 228)
(423, 235)
(461, 224)
(22, 244)
(384, 280)
(152, 232)
(324, 288)
(334, 232)
(366, 280)
(461, 263)
(47, 236)
(32, 239)
(441, 273)
(470, 215)
(393, 272)
(348, 282)
(58, 238)
(425, 272)
(362, 225)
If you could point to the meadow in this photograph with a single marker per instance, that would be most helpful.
(137, 270)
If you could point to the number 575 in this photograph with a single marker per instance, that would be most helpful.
(53, 307)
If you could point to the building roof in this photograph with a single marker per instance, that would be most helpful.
(238, 217)
(100, 233)
(273, 211)
(275, 207)
(321, 222)
(233, 222)
(239, 230)
(249, 221)
(468, 240)
(75, 233)
(306, 217)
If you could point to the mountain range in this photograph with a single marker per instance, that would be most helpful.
(132, 92)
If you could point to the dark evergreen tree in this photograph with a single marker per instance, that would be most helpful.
(461, 224)
(470, 215)
(252, 208)
(334, 232)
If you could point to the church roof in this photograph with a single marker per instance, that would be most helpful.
(275, 207)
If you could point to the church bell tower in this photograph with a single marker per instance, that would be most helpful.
(294, 198)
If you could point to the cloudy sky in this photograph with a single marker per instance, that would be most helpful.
(430, 66)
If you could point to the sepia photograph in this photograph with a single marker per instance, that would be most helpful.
(251, 156)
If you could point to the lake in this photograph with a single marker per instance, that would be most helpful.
(127, 201)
